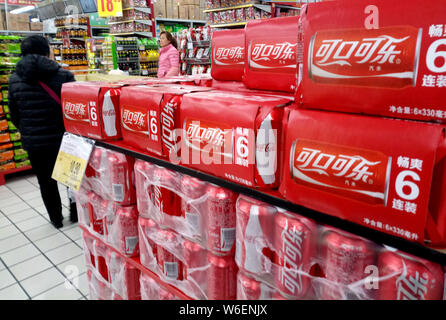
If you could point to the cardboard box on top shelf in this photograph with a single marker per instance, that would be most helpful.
(36, 26)
(175, 9)
(197, 3)
(2, 20)
(169, 9)
(202, 3)
(160, 8)
(203, 15)
(186, 2)
(183, 12)
(194, 12)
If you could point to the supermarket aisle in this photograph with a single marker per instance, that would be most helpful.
(37, 261)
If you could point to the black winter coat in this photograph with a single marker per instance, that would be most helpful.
(33, 111)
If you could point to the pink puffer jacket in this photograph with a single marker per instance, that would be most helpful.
(169, 62)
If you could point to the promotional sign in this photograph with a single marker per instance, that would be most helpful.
(394, 185)
(109, 8)
(238, 138)
(228, 54)
(270, 54)
(91, 109)
(369, 58)
(72, 160)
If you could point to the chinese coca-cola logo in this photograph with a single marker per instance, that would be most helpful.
(291, 274)
(168, 114)
(341, 169)
(377, 55)
(207, 136)
(76, 111)
(229, 56)
(382, 49)
(133, 120)
(272, 55)
(411, 287)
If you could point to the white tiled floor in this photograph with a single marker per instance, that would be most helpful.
(37, 261)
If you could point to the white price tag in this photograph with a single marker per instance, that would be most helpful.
(190, 45)
(72, 160)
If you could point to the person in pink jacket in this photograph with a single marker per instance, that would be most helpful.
(169, 59)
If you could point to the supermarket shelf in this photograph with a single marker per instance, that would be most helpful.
(197, 61)
(73, 27)
(11, 171)
(259, 6)
(179, 20)
(136, 262)
(143, 34)
(142, 9)
(24, 31)
(149, 22)
(274, 198)
(228, 24)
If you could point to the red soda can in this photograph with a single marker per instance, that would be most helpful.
(165, 295)
(131, 282)
(170, 266)
(254, 234)
(143, 175)
(278, 296)
(251, 289)
(147, 247)
(89, 250)
(195, 260)
(295, 243)
(222, 278)
(121, 186)
(108, 212)
(192, 189)
(95, 217)
(163, 196)
(127, 231)
(405, 277)
(221, 219)
(116, 296)
(101, 254)
(345, 259)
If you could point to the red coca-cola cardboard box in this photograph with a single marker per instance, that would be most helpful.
(371, 58)
(270, 54)
(150, 115)
(390, 178)
(228, 54)
(91, 109)
(237, 86)
(235, 136)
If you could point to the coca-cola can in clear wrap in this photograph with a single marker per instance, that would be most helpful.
(278, 296)
(131, 282)
(116, 296)
(170, 266)
(108, 213)
(121, 178)
(221, 220)
(165, 295)
(405, 277)
(164, 199)
(255, 236)
(345, 259)
(143, 175)
(100, 255)
(295, 244)
(96, 219)
(126, 237)
(222, 278)
(191, 208)
(81, 198)
(147, 254)
(195, 271)
(89, 250)
(251, 289)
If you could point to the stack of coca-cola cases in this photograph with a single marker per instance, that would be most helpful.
(343, 116)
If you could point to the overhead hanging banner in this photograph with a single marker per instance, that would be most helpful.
(110, 8)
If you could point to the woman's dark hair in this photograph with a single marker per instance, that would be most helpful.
(35, 44)
(171, 38)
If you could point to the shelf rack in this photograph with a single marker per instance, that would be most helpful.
(274, 198)
(11, 171)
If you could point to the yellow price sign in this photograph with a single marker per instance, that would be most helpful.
(110, 8)
(72, 160)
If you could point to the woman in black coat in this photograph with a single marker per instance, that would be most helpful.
(38, 116)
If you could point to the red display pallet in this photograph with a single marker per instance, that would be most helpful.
(11, 171)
